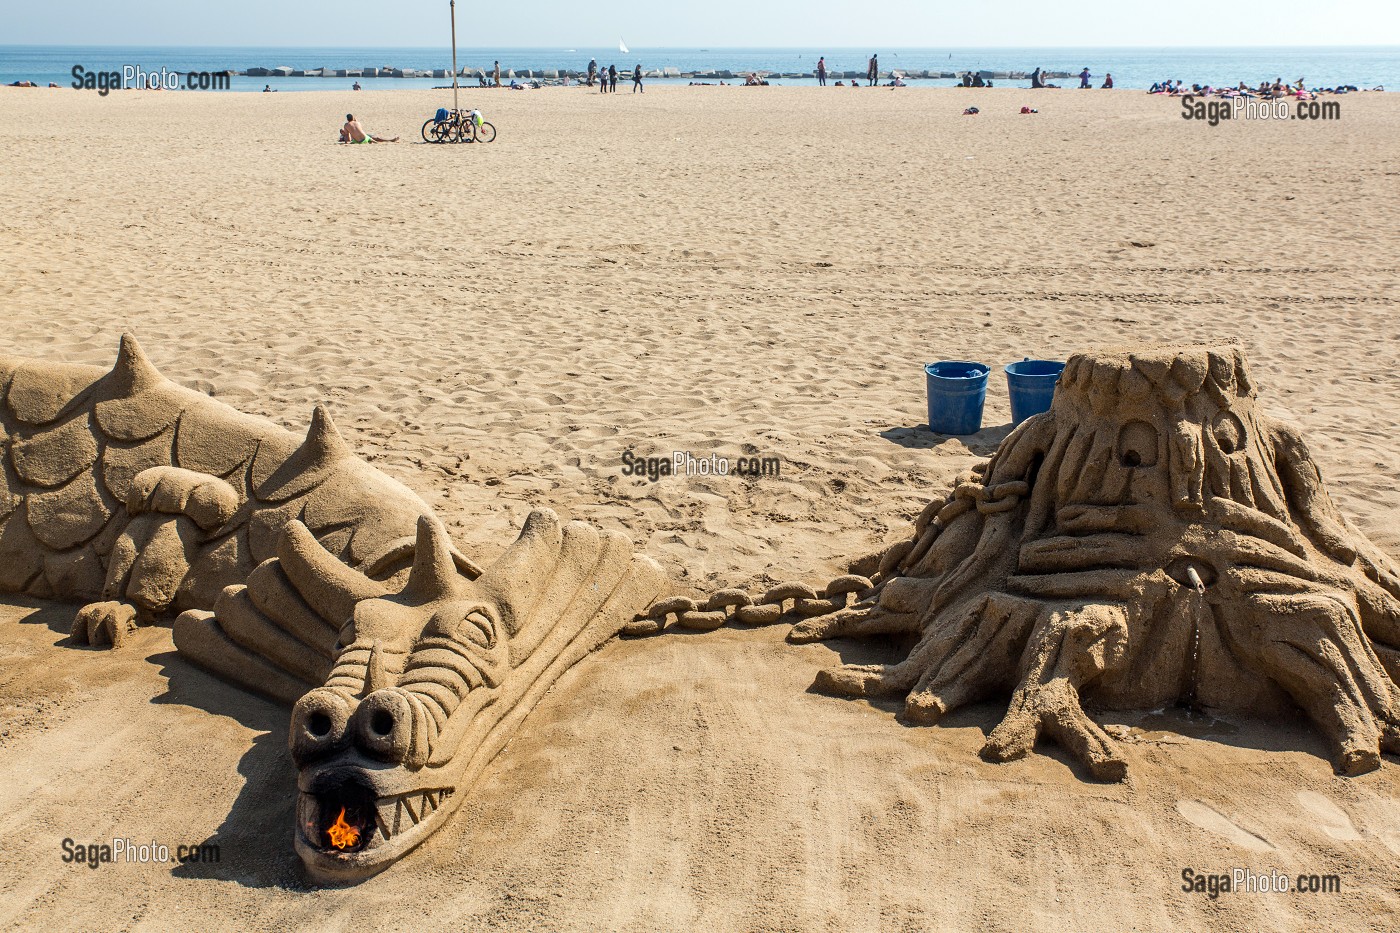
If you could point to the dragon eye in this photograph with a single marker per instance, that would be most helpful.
(1137, 445)
(1229, 432)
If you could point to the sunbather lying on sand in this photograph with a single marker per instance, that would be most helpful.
(352, 132)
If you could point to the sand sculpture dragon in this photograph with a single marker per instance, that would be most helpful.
(1153, 537)
(302, 573)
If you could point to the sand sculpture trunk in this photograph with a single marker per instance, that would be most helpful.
(1153, 538)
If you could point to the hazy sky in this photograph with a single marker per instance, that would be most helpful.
(701, 24)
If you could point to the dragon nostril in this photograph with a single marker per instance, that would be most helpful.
(318, 724)
(382, 722)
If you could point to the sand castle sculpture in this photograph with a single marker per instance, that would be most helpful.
(1153, 537)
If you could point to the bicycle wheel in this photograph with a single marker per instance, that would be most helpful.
(429, 132)
(462, 133)
(442, 133)
(485, 133)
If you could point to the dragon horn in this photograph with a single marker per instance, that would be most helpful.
(434, 574)
(132, 373)
(328, 586)
(376, 677)
(323, 442)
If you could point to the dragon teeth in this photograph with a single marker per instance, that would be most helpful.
(389, 811)
(383, 819)
(405, 805)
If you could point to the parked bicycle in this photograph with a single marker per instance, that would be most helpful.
(458, 126)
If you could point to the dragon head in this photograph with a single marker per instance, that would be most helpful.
(428, 683)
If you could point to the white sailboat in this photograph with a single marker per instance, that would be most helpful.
(621, 46)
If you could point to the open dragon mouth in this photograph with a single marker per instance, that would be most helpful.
(347, 831)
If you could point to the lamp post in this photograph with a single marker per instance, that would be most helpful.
(452, 5)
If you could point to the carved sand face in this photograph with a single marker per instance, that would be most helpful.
(1152, 539)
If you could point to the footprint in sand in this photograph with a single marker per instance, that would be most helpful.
(1212, 821)
(1333, 818)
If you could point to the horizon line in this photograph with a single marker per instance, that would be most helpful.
(697, 48)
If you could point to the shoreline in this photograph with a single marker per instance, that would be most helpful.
(1137, 68)
(400, 85)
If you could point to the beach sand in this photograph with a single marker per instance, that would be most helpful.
(736, 271)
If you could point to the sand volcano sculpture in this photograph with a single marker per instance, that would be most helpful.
(1154, 538)
(302, 573)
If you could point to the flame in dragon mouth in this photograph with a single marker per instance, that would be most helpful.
(341, 834)
(348, 818)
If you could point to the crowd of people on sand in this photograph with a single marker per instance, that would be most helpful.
(1266, 90)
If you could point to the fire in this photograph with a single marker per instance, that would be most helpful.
(341, 833)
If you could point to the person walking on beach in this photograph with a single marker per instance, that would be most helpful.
(821, 71)
(1084, 78)
(612, 79)
(637, 79)
(592, 70)
(496, 74)
(873, 72)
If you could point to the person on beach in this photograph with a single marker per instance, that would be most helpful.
(1084, 78)
(821, 71)
(1108, 81)
(352, 132)
(873, 72)
(637, 79)
(355, 86)
(592, 70)
(1036, 80)
(496, 74)
(977, 80)
(612, 79)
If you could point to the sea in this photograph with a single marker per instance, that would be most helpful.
(1362, 66)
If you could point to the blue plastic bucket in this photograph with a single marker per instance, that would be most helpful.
(957, 389)
(1032, 387)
